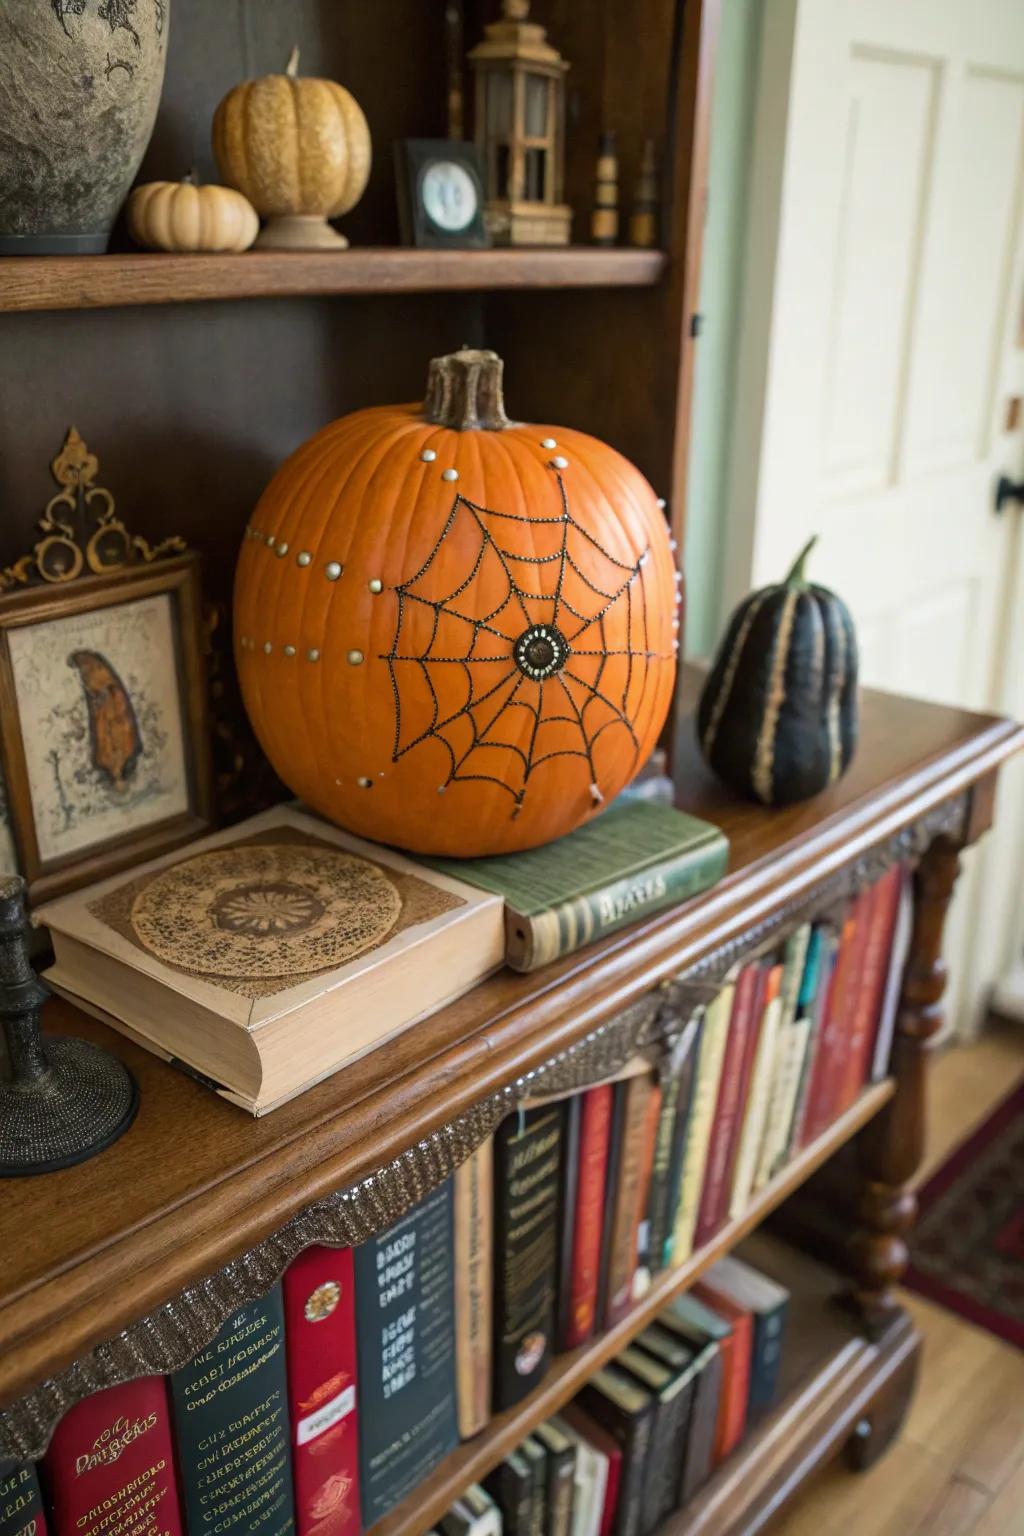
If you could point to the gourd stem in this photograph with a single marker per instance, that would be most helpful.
(464, 391)
(291, 69)
(796, 577)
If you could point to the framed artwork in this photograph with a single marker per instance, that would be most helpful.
(104, 748)
(441, 194)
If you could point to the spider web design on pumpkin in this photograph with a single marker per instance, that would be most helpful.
(435, 637)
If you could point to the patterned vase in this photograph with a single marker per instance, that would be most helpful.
(80, 83)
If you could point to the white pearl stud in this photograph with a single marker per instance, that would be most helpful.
(428, 455)
(313, 654)
(303, 557)
(548, 442)
(376, 585)
(449, 474)
(281, 550)
(289, 650)
(332, 570)
(559, 463)
(354, 658)
(364, 782)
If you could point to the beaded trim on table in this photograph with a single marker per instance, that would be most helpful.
(171, 1336)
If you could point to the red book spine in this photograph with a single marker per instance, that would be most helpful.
(110, 1467)
(741, 1025)
(881, 923)
(735, 1392)
(849, 1002)
(320, 1340)
(595, 1127)
(820, 1098)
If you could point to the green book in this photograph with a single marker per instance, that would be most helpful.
(635, 859)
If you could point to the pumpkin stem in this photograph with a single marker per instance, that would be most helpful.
(464, 391)
(291, 69)
(796, 577)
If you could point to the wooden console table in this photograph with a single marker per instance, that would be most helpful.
(130, 1263)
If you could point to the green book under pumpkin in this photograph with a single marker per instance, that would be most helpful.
(636, 859)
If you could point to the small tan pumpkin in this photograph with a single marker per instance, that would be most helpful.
(300, 151)
(181, 216)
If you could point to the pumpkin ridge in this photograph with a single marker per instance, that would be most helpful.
(764, 758)
(269, 573)
(359, 147)
(729, 673)
(832, 710)
(635, 575)
(386, 443)
(322, 748)
(579, 444)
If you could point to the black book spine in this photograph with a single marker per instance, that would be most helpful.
(405, 1349)
(231, 1421)
(527, 1151)
(611, 1187)
(510, 1485)
(633, 1432)
(568, 1186)
(662, 1484)
(537, 1457)
(765, 1358)
(698, 1458)
(560, 1491)
(21, 1504)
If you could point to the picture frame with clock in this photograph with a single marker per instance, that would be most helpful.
(440, 194)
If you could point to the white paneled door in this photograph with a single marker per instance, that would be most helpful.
(882, 348)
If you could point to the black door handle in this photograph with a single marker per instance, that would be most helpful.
(1009, 490)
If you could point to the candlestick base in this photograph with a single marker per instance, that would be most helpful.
(86, 1101)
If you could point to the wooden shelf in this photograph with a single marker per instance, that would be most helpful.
(197, 1183)
(475, 1458)
(833, 1381)
(115, 281)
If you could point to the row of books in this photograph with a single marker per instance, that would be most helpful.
(231, 1442)
(647, 1430)
(337, 1394)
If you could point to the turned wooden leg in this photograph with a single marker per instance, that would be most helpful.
(891, 1146)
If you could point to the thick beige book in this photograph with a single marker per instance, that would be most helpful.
(269, 956)
(474, 1284)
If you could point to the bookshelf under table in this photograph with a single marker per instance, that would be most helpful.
(475, 1458)
(129, 1264)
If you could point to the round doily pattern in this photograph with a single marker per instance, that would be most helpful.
(265, 910)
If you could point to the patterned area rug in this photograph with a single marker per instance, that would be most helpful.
(968, 1247)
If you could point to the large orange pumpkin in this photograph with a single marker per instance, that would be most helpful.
(456, 633)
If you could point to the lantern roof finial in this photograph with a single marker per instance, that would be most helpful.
(514, 38)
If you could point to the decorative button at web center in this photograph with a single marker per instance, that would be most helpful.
(541, 651)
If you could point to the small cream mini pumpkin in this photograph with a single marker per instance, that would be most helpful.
(300, 151)
(181, 216)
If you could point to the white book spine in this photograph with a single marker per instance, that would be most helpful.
(756, 1115)
(705, 1102)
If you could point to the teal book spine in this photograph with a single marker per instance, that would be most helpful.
(232, 1427)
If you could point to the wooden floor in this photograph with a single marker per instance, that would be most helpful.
(958, 1466)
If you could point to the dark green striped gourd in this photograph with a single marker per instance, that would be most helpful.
(777, 719)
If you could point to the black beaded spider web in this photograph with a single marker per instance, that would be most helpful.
(536, 653)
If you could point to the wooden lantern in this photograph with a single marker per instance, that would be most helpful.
(520, 127)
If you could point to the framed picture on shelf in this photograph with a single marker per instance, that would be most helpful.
(440, 194)
(103, 722)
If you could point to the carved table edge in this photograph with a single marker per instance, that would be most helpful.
(173, 1334)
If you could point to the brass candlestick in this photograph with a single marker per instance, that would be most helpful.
(61, 1101)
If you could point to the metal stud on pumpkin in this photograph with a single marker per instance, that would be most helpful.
(512, 623)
